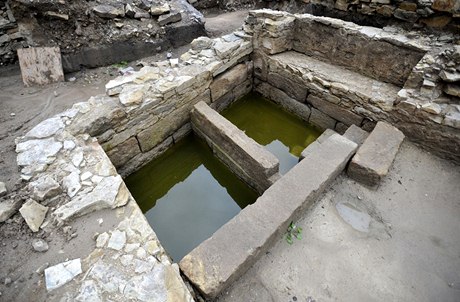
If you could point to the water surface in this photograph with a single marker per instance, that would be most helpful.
(282, 133)
(187, 194)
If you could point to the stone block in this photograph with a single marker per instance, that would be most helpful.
(337, 112)
(225, 82)
(289, 104)
(8, 208)
(356, 134)
(291, 88)
(249, 160)
(321, 119)
(375, 156)
(313, 147)
(34, 214)
(40, 65)
(123, 152)
(232, 249)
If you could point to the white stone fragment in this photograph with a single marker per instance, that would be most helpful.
(8, 208)
(86, 175)
(46, 128)
(44, 187)
(77, 158)
(131, 247)
(37, 151)
(141, 253)
(111, 192)
(62, 273)
(34, 214)
(102, 240)
(69, 145)
(72, 183)
(117, 240)
(126, 259)
(40, 245)
(96, 179)
(88, 292)
(3, 190)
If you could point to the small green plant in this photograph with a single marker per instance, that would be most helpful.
(122, 64)
(293, 231)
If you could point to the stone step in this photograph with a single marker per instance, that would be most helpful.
(231, 250)
(375, 156)
(356, 134)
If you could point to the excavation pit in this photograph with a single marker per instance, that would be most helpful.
(187, 194)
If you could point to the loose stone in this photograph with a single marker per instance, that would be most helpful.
(40, 245)
(62, 273)
(34, 214)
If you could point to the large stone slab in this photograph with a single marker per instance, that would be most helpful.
(374, 158)
(249, 160)
(224, 257)
(225, 82)
(40, 65)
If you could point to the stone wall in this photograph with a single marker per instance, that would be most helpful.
(431, 14)
(147, 111)
(292, 67)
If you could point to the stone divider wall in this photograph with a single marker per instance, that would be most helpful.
(245, 157)
(335, 73)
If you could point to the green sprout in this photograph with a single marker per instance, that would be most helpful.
(293, 231)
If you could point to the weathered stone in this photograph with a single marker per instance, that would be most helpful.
(249, 234)
(3, 189)
(225, 49)
(169, 18)
(243, 155)
(374, 158)
(409, 6)
(45, 187)
(125, 151)
(437, 21)
(314, 146)
(38, 151)
(159, 9)
(444, 5)
(102, 239)
(8, 208)
(62, 273)
(295, 107)
(108, 11)
(117, 240)
(88, 292)
(321, 119)
(46, 128)
(452, 119)
(201, 43)
(337, 112)
(385, 10)
(452, 89)
(356, 134)
(55, 15)
(225, 82)
(34, 214)
(291, 88)
(132, 94)
(71, 183)
(111, 192)
(450, 76)
(40, 245)
(432, 108)
(405, 15)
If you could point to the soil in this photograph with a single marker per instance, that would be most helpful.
(21, 108)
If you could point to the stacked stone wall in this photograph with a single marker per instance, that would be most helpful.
(334, 73)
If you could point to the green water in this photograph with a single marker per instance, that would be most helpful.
(187, 194)
(280, 132)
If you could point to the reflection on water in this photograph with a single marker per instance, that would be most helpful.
(282, 133)
(187, 194)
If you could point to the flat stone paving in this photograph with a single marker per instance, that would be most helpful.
(397, 243)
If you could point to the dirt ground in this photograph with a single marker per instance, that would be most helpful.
(399, 242)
